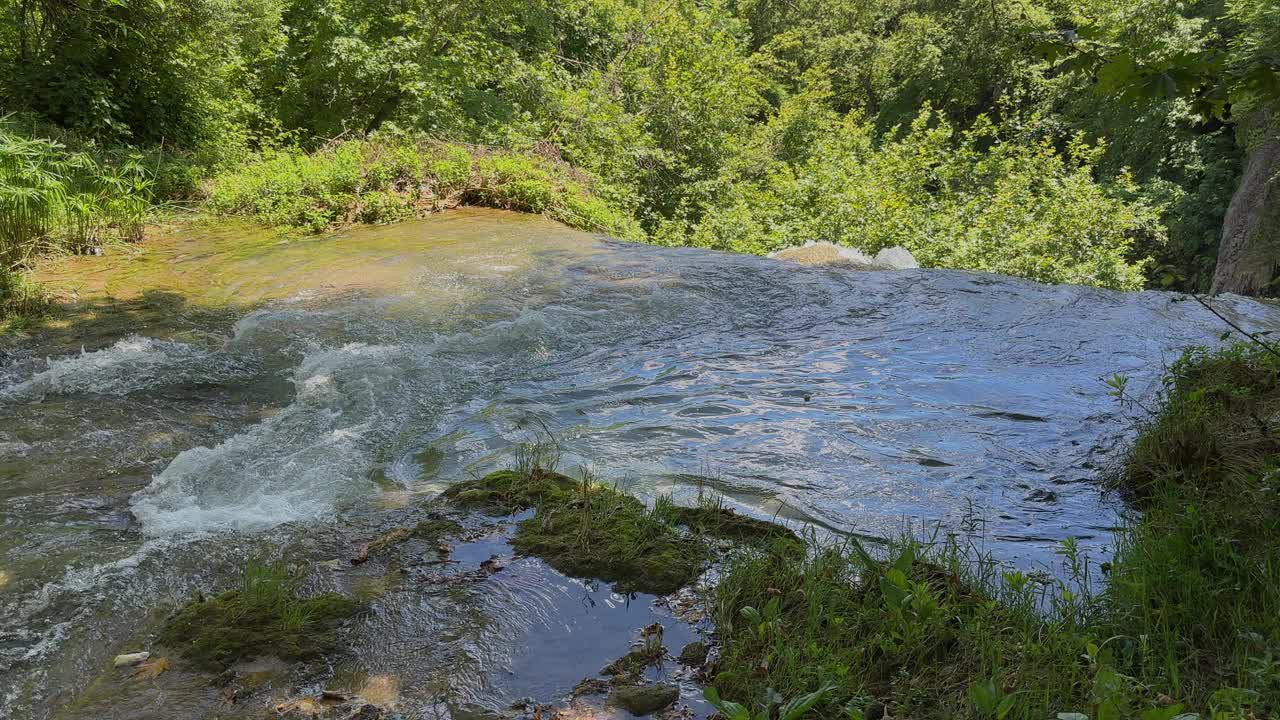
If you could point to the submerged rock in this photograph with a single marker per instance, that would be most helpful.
(644, 699)
(825, 254)
(694, 654)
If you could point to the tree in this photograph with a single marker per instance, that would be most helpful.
(1231, 74)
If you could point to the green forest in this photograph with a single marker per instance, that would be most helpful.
(1096, 142)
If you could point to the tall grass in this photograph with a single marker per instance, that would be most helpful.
(56, 199)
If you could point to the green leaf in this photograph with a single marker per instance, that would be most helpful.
(730, 710)
(799, 706)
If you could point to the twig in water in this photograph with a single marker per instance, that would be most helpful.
(1264, 345)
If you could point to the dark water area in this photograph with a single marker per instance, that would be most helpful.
(349, 379)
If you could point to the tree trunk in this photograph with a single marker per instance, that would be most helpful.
(1249, 254)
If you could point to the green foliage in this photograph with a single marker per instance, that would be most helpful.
(972, 199)
(964, 130)
(394, 177)
(265, 615)
(20, 300)
(53, 199)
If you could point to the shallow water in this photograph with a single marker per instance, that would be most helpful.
(285, 394)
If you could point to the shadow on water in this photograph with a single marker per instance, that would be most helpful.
(92, 324)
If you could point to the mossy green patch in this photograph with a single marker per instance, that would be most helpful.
(264, 616)
(436, 528)
(585, 529)
(509, 491)
(723, 522)
(605, 534)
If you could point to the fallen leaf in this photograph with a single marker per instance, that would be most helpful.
(381, 690)
(303, 705)
(151, 669)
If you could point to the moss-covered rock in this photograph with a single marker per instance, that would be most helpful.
(435, 529)
(263, 617)
(694, 654)
(508, 491)
(590, 530)
(723, 522)
(610, 536)
(644, 699)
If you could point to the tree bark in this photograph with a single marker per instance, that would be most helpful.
(1249, 254)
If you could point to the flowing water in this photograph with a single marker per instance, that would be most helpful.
(299, 395)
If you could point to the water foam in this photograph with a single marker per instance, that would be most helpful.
(300, 463)
(132, 364)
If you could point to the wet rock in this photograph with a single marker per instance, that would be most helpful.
(367, 711)
(694, 654)
(381, 690)
(302, 707)
(130, 659)
(825, 254)
(896, 258)
(644, 699)
(1042, 496)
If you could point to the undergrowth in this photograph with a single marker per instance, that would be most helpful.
(1187, 625)
(53, 198)
(393, 177)
(264, 616)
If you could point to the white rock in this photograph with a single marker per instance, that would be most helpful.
(896, 258)
(129, 659)
(825, 254)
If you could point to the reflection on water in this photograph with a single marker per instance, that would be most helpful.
(384, 362)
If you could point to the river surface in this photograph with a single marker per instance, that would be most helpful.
(297, 394)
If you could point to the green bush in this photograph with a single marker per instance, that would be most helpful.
(974, 200)
(55, 199)
(391, 178)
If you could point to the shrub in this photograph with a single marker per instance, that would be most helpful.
(395, 177)
(55, 199)
(973, 200)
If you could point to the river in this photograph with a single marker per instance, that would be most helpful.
(293, 395)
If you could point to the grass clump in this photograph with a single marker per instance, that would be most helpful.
(56, 199)
(508, 491)
(586, 529)
(715, 520)
(21, 299)
(263, 616)
(394, 177)
(605, 534)
(1187, 626)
